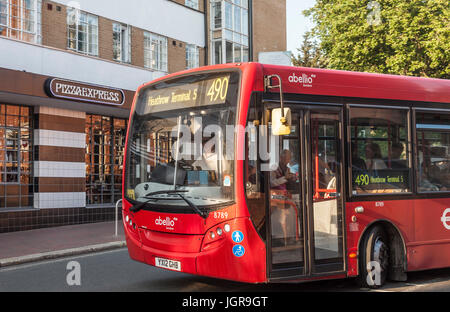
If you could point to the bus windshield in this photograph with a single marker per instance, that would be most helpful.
(179, 155)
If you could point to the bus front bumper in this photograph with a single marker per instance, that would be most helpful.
(217, 258)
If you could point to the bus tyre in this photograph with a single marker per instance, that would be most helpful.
(374, 259)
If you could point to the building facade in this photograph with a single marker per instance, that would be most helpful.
(68, 71)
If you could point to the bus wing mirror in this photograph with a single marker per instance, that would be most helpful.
(281, 117)
(281, 123)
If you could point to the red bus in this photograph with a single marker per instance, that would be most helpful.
(260, 173)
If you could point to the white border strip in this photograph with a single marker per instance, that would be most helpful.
(55, 169)
(59, 200)
(44, 137)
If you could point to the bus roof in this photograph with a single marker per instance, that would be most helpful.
(360, 85)
(328, 82)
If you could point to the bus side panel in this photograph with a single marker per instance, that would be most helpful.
(399, 213)
(249, 265)
(353, 231)
(431, 248)
(424, 225)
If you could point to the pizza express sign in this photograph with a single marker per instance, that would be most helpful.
(77, 91)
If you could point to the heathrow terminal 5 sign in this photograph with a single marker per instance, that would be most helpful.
(77, 91)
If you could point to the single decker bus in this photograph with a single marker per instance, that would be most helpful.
(262, 173)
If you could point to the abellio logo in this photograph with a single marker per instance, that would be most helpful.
(167, 222)
(304, 80)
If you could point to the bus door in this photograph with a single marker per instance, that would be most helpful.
(304, 191)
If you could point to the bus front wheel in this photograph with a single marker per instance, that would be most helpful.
(374, 258)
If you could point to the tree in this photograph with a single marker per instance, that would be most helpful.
(385, 36)
(310, 54)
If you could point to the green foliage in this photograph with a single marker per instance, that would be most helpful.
(310, 54)
(385, 36)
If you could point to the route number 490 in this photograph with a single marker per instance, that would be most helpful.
(218, 89)
(362, 179)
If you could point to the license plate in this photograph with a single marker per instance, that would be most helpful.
(168, 264)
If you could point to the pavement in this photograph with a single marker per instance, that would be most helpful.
(57, 242)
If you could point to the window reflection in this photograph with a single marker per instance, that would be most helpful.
(433, 147)
(105, 140)
(379, 150)
(16, 189)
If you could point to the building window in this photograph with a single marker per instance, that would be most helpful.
(122, 43)
(192, 56)
(155, 52)
(380, 151)
(229, 31)
(216, 15)
(105, 141)
(433, 152)
(82, 32)
(21, 19)
(16, 156)
(192, 4)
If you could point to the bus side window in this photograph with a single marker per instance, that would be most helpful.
(380, 151)
(433, 147)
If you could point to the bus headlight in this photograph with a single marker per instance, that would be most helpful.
(227, 228)
(219, 231)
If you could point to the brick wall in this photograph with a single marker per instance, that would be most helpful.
(54, 34)
(137, 47)
(105, 38)
(269, 26)
(176, 55)
(54, 25)
(202, 52)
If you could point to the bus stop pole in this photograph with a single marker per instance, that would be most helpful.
(117, 215)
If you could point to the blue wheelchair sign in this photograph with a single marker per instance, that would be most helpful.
(238, 251)
(237, 236)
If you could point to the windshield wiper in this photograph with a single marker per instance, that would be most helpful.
(202, 214)
(165, 192)
(141, 205)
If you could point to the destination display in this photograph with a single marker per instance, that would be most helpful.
(200, 93)
(386, 178)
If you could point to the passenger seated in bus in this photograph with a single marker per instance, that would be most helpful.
(396, 153)
(358, 164)
(281, 177)
(426, 185)
(374, 159)
(425, 177)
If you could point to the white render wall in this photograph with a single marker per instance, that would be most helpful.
(17, 55)
(160, 16)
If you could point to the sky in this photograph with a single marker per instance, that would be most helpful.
(297, 24)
